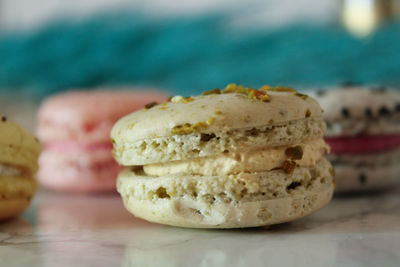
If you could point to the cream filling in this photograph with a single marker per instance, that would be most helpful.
(251, 161)
(8, 170)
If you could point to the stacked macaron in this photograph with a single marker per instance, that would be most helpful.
(364, 135)
(239, 157)
(75, 128)
(19, 152)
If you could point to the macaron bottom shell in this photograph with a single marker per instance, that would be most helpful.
(366, 179)
(366, 172)
(86, 181)
(16, 193)
(10, 208)
(234, 201)
(365, 163)
(78, 171)
(186, 213)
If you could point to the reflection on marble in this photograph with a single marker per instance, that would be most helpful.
(70, 230)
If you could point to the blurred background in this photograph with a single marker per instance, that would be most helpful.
(185, 47)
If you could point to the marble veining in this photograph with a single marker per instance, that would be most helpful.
(62, 230)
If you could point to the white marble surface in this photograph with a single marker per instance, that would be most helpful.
(62, 230)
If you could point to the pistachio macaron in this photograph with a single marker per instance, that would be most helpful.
(19, 152)
(231, 158)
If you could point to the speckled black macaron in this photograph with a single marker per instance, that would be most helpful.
(364, 134)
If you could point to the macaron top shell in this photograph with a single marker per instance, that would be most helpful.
(360, 110)
(17, 146)
(359, 102)
(213, 113)
(88, 115)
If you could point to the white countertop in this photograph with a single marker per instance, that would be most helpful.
(73, 230)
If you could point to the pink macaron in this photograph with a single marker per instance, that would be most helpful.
(74, 128)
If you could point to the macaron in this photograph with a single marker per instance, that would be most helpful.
(75, 128)
(231, 158)
(19, 152)
(363, 130)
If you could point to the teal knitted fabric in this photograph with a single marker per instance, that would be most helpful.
(188, 55)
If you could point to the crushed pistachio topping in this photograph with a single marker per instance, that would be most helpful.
(188, 99)
(215, 91)
(308, 113)
(294, 153)
(277, 88)
(113, 141)
(265, 87)
(233, 88)
(182, 129)
(250, 92)
(188, 128)
(303, 96)
(210, 120)
(150, 105)
(289, 166)
(257, 94)
(177, 99)
(131, 126)
(181, 99)
(261, 94)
